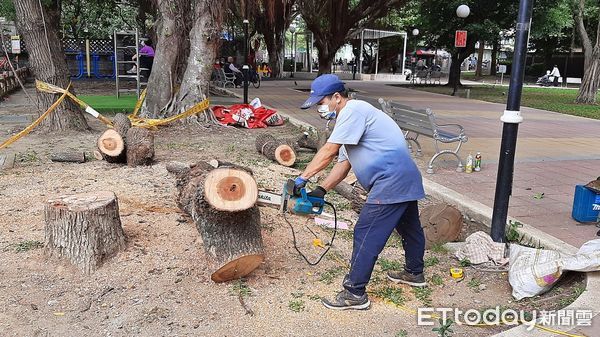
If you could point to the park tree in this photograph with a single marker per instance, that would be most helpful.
(38, 23)
(551, 28)
(271, 19)
(187, 36)
(486, 21)
(590, 41)
(333, 21)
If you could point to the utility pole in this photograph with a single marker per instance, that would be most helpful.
(511, 118)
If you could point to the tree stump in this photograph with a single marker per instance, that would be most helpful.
(84, 228)
(112, 147)
(140, 147)
(221, 201)
(68, 157)
(279, 151)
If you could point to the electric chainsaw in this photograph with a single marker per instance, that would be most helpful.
(292, 200)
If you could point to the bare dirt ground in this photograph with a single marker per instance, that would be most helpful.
(159, 286)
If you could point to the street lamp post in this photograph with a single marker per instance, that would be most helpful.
(462, 12)
(245, 67)
(511, 118)
(293, 48)
(415, 33)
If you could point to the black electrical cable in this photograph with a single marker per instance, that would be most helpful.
(330, 243)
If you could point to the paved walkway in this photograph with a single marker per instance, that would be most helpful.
(554, 151)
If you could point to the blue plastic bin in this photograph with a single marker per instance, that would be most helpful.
(586, 205)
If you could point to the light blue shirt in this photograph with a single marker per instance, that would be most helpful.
(377, 151)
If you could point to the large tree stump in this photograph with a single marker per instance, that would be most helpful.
(140, 147)
(276, 150)
(84, 228)
(221, 201)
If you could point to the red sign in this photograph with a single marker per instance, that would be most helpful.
(460, 39)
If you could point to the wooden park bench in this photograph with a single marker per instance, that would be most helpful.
(416, 122)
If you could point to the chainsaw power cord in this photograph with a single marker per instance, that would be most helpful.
(330, 243)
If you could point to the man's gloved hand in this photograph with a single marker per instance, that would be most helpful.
(318, 192)
(299, 183)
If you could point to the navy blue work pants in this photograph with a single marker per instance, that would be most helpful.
(372, 231)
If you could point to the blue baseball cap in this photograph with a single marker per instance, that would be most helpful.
(322, 86)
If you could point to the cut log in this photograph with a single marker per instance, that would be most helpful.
(121, 124)
(97, 155)
(441, 223)
(112, 146)
(355, 194)
(279, 151)
(313, 141)
(140, 147)
(221, 202)
(84, 228)
(68, 157)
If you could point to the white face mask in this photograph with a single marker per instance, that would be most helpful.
(325, 113)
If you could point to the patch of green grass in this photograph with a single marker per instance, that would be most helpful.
(330, 274)
(438, 248)
(423, 294)
(474, 284)
(444, 330)
(28, 156)
(436, 280)
(464, 262)
(551, 99)
(391, 294)
(240, 288)
(27, 245)
(110, 104)
(401, 333)
(431, 261)
(296, 305)
(386, 264)
(314, 297)
(566, 300)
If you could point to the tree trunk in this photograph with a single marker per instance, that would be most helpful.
(494, 58)
(325, 58)
(47, 62)
(222, 204)
(163, 78)
(275, 51)
(356, 195)
(121, 124)
(139, 147)
(591, 80)
(457, 59)
(479, 70)
(68, 157)
(84, 228)
(204, 38)
(280, 151)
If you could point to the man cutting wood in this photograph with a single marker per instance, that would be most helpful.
(368, 141)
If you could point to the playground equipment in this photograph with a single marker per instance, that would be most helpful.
(126, 45)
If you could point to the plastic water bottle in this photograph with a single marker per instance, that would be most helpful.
(469, 166)
(477, 167)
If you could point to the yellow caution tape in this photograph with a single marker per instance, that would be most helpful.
(138, 104)
(28, 129)
(53, 89)
(152, 123)
(135, 121)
